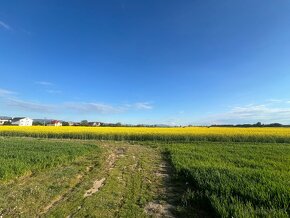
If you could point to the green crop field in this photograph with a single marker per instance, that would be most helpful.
(49, 177)
(62, 178)
(19, 157)
(235, 179)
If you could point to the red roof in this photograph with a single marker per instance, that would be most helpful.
(55, 121)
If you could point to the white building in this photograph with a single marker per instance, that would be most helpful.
(94, 123)
(22, 121)
(3, 120)
(70, 123)
(55, 123)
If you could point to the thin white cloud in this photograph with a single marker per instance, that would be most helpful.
(74, 107)
(44, 83)
(93, 107)
(52, 91)
(29, 106)
(11, 101)
(98, 108)
(251, 114)
(25, 31)
(5, 92)
(143, 106)
(5, 25)
(277, 101)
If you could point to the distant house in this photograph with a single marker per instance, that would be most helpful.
(55, 123)
(76, 124)
(21, 121)
(94, 123)
(4, 119)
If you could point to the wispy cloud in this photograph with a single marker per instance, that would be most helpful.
(74, 107)
(251, 114)
(181, 112)
(98, 108)
(5, 25)
(275, 101)
(93, 107)
(44, 83)
(10, 100)
(25, 31)
(30, 106)
(143, 106)
(49, 87)
(53, 91)
(5, 92)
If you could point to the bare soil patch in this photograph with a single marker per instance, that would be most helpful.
(156, 209)
(96, 186)
(164, 206)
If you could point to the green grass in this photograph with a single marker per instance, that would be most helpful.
(63, 170)
(19, 157)
(227, 179)
(126, 190)
(235, 179)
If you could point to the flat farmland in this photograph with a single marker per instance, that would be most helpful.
(234, 179)
(57, 178)
(146, 172)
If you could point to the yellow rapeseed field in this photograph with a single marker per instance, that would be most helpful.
(144, 133)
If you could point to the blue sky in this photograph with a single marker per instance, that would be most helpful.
(147, 61)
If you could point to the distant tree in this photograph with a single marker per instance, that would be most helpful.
(65, 123)
(84, 123)
(259, 124)
(37, 123)
(7, 123)
(275, 125)
(119, 124)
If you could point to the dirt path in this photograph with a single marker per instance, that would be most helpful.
(96, 186)
(108, 165)
(126, 181)
(165, 204)
(127, 186)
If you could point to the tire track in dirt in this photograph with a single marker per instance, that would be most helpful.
(164, 207)
(172, 189)
(64, 197)
(109, 163)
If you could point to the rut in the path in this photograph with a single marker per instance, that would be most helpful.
(110, 162)
(166, 206)
(63, 197)
(173, 189)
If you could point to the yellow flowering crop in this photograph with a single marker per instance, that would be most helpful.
(144, 133)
